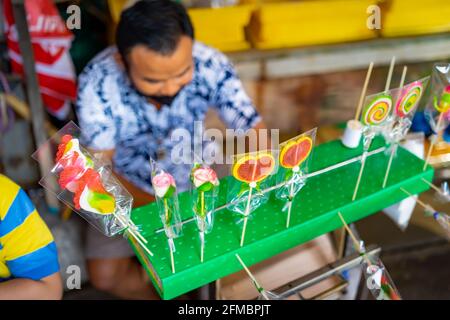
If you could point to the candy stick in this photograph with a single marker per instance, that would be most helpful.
(291, 190)
(389, 77)
(424, 205)
(363, 92)
(134, 234)
(247, 211)
(395, 146)
(171, 246)
(433, 141)
(258, 287)
(434, 187)
(361, 170)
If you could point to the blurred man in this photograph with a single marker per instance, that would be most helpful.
(28, 257)
(132, 97)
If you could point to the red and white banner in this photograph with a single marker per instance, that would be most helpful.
(51, 43)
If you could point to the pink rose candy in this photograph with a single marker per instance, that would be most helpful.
(202, 175)
(161, 183)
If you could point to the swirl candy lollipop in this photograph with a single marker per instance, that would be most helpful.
(294, 154)
(375, 112)
(167, 200)
(204, 195)
(251, 169)
(399, 124)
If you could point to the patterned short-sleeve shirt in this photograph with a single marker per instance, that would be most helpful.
(113, 115)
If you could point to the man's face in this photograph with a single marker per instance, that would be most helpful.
(155, 75)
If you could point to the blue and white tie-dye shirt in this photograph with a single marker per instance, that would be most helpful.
(112, 115)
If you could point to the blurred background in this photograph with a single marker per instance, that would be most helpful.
(303, 63)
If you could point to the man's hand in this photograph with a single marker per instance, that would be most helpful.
(48, 288)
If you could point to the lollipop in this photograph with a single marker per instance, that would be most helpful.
(378, 280)
(167, 201)
(72, 161)
(252, 169)
(293, 155)
(89, 188)
(377, 110)
(409, 99)
(91, 195)
(374, 114)
(442, 106)
(205, 183)
(399, 124)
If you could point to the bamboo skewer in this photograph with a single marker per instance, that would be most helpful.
(363, 92)
(433, 142)
(355, 241)
(436, 188)
(394, 147)
(260, 289)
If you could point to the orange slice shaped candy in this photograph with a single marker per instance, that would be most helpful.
(295, 152)
(253, 167)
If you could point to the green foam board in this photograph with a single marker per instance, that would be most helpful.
(314, 213)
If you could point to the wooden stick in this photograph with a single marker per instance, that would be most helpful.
(433, 142)
(434, 187)
(134, 235)
(172, 260)
(290, 203)
(247, 211)
(359, 179)
(363, 92)
(394, 147)
(386, 176)
(423, 204)
(202, 245)
(252, 277)
(355, 241)
(389, 77)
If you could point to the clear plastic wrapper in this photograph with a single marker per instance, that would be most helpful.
(205, 189)
(408, 98)
(86, 184)
(378, 280)
(167, 200)
(437, 109)
(294, 157)
(250, 172)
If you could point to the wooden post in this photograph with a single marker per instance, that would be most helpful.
(34, 96)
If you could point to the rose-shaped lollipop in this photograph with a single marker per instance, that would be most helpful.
(205, 183)
(164, 185)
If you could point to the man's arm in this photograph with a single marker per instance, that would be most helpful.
(48, 288)
(140, 196)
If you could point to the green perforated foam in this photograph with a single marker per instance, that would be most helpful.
(314, 213)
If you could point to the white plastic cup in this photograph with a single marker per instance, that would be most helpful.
(352, 134)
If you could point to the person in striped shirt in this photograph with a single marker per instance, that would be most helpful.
(29, 266)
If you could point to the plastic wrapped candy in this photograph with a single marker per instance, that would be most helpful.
(294, 158)
(437, 109)
(87, 185)
(205, 190)
(378, 280)
(407, 101)
(375, 112)
(398, 124)
(250, 172)
(166, 196)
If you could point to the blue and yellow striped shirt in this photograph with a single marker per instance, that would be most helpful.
(27, 249)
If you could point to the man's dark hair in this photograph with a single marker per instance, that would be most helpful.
(156, 24)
